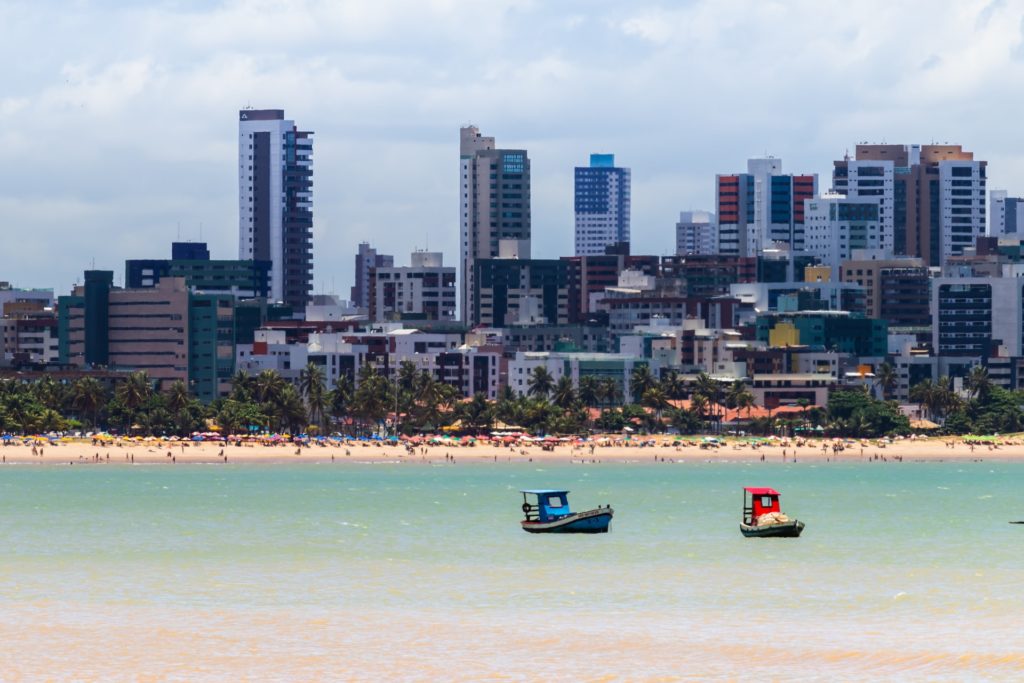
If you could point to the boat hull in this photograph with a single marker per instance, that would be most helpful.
(595, 521)
(783, 530)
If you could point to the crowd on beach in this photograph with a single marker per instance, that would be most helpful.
(495, 448)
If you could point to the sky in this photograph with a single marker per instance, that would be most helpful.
(118, 120)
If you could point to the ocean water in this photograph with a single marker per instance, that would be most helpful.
(421, 572)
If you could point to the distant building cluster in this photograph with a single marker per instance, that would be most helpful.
(907, 260)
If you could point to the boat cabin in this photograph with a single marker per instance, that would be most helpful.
(547, 505)
(759, 501)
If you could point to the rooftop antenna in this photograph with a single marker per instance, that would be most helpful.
(179, 231)
(200, 231)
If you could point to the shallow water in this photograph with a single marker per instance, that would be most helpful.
(412, 571)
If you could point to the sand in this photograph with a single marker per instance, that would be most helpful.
(664, 449)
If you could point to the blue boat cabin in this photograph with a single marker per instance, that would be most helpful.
(550, 505)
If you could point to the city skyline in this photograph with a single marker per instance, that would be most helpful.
(167, 114)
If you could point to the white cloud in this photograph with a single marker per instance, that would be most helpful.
(122, 125)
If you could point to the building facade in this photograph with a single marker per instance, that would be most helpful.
(696, 233)
(838, 225)
(521, 292)
(494, 207)
(762, 208)
(1005, 214)
(275, 201)
(938, 195)
(424, 290)
(367, 259)
(602, 203)
(242, 278)
(167, 330)
(897, 290)
(977, 317)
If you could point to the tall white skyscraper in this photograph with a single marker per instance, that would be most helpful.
(275, 201)
(602, 205)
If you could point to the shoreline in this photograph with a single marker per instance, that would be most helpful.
(665, 450)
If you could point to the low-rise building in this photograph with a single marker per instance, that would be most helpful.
(425, 290)
(167, 330)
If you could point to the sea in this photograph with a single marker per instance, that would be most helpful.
(416, 571)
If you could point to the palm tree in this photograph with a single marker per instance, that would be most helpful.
(655, 398)
(241, 386)
(564, 395)
(640, 380)
(133, 392)
(886, 379)
(673, 385)
(88, 396)
(541, 382)
(978, 382)
(745, 401)
(609, 391)
(922, 393)
(269, 386)
(589, 391)
(290, 411)
(477, 414)
(372, 397)
(699, 406)
(339, 399)
(733, 393)
(49, 393)
(946, 400)
(711, 390)
(313, 388)
(178, 396)
(408, 376)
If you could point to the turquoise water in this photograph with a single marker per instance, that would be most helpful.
(411, 571)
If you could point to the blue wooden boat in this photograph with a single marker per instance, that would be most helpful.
(549, 513)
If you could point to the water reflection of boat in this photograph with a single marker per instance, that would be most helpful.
(763, 517)
(550, 513)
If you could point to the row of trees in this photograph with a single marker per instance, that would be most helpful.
(417, 402)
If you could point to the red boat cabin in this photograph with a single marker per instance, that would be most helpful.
(757, 502)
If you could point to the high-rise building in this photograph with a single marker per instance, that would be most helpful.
(367, 259)
(696, 233)
(602, 205)
(762, 208)
(494, 207)
(275, 201)
(938, 195)
(1006, 215)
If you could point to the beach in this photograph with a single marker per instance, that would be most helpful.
(599, 449)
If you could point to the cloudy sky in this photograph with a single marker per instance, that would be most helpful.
(118, 122)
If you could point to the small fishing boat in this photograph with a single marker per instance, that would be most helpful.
(762, 515)
(550, 514)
